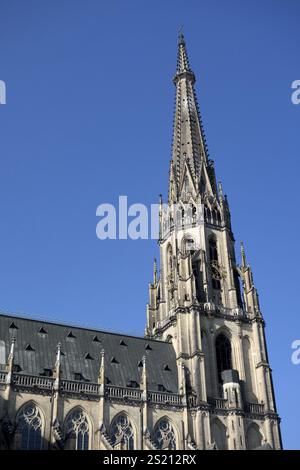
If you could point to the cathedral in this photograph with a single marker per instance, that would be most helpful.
(199, 378)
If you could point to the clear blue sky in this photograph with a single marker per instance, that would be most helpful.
(89, 117)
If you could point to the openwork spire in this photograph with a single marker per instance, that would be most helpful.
(189, 148)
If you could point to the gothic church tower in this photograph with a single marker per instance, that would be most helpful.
(203, 301)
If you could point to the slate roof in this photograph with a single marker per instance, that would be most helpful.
(36, 343)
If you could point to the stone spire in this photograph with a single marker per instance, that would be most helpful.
(155, 272)
(189, 150)
(243, 254)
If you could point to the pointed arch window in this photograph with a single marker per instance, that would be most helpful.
(164, 435)
(170, 259)
(207, 214)
(213, 249)
(194, 214)
(182, 217)
(122, 436)
(224, 355)
(202, 185)
(77, 430)
(29, 428)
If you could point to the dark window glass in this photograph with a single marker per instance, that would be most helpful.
(223, 352)
(213, 251)
(29, 429)
(77, 431)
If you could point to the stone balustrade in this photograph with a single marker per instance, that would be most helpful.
(31, 382)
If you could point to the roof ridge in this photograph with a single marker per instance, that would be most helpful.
(54, 321)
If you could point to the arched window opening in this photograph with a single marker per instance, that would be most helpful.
(202, 186)
(237, 283)
(215, 271)
(29, 428)
(189, 214)
(164, 435)
(218, 435)
(213, 250)
(250, 382)
(194, 215)
(198, 275)
(253, 437)
(206, 351)
(223, 353)
(77, 431)
(208, 215)
(122, 436)
(170, 260)
(215, 218)
(182, 217)
(216, 283)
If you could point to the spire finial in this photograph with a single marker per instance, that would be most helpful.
(58, 353)
(143, 382)
(244, 261)
(220, 187)
(10, 362)
(154, 271)
(180, 35)
(101, 375)
(12, 350)
(182, 57)
(56, 370)
(12, 345)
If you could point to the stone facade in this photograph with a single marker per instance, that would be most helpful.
(199, 379)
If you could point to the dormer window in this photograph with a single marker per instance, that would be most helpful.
(78, 376)
(132, 384)
(70, 336)
(47, 373)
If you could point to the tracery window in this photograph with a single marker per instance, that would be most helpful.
(214, 264)
(122, 435)
(164, 435)
(29, 428)
(77, 430)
